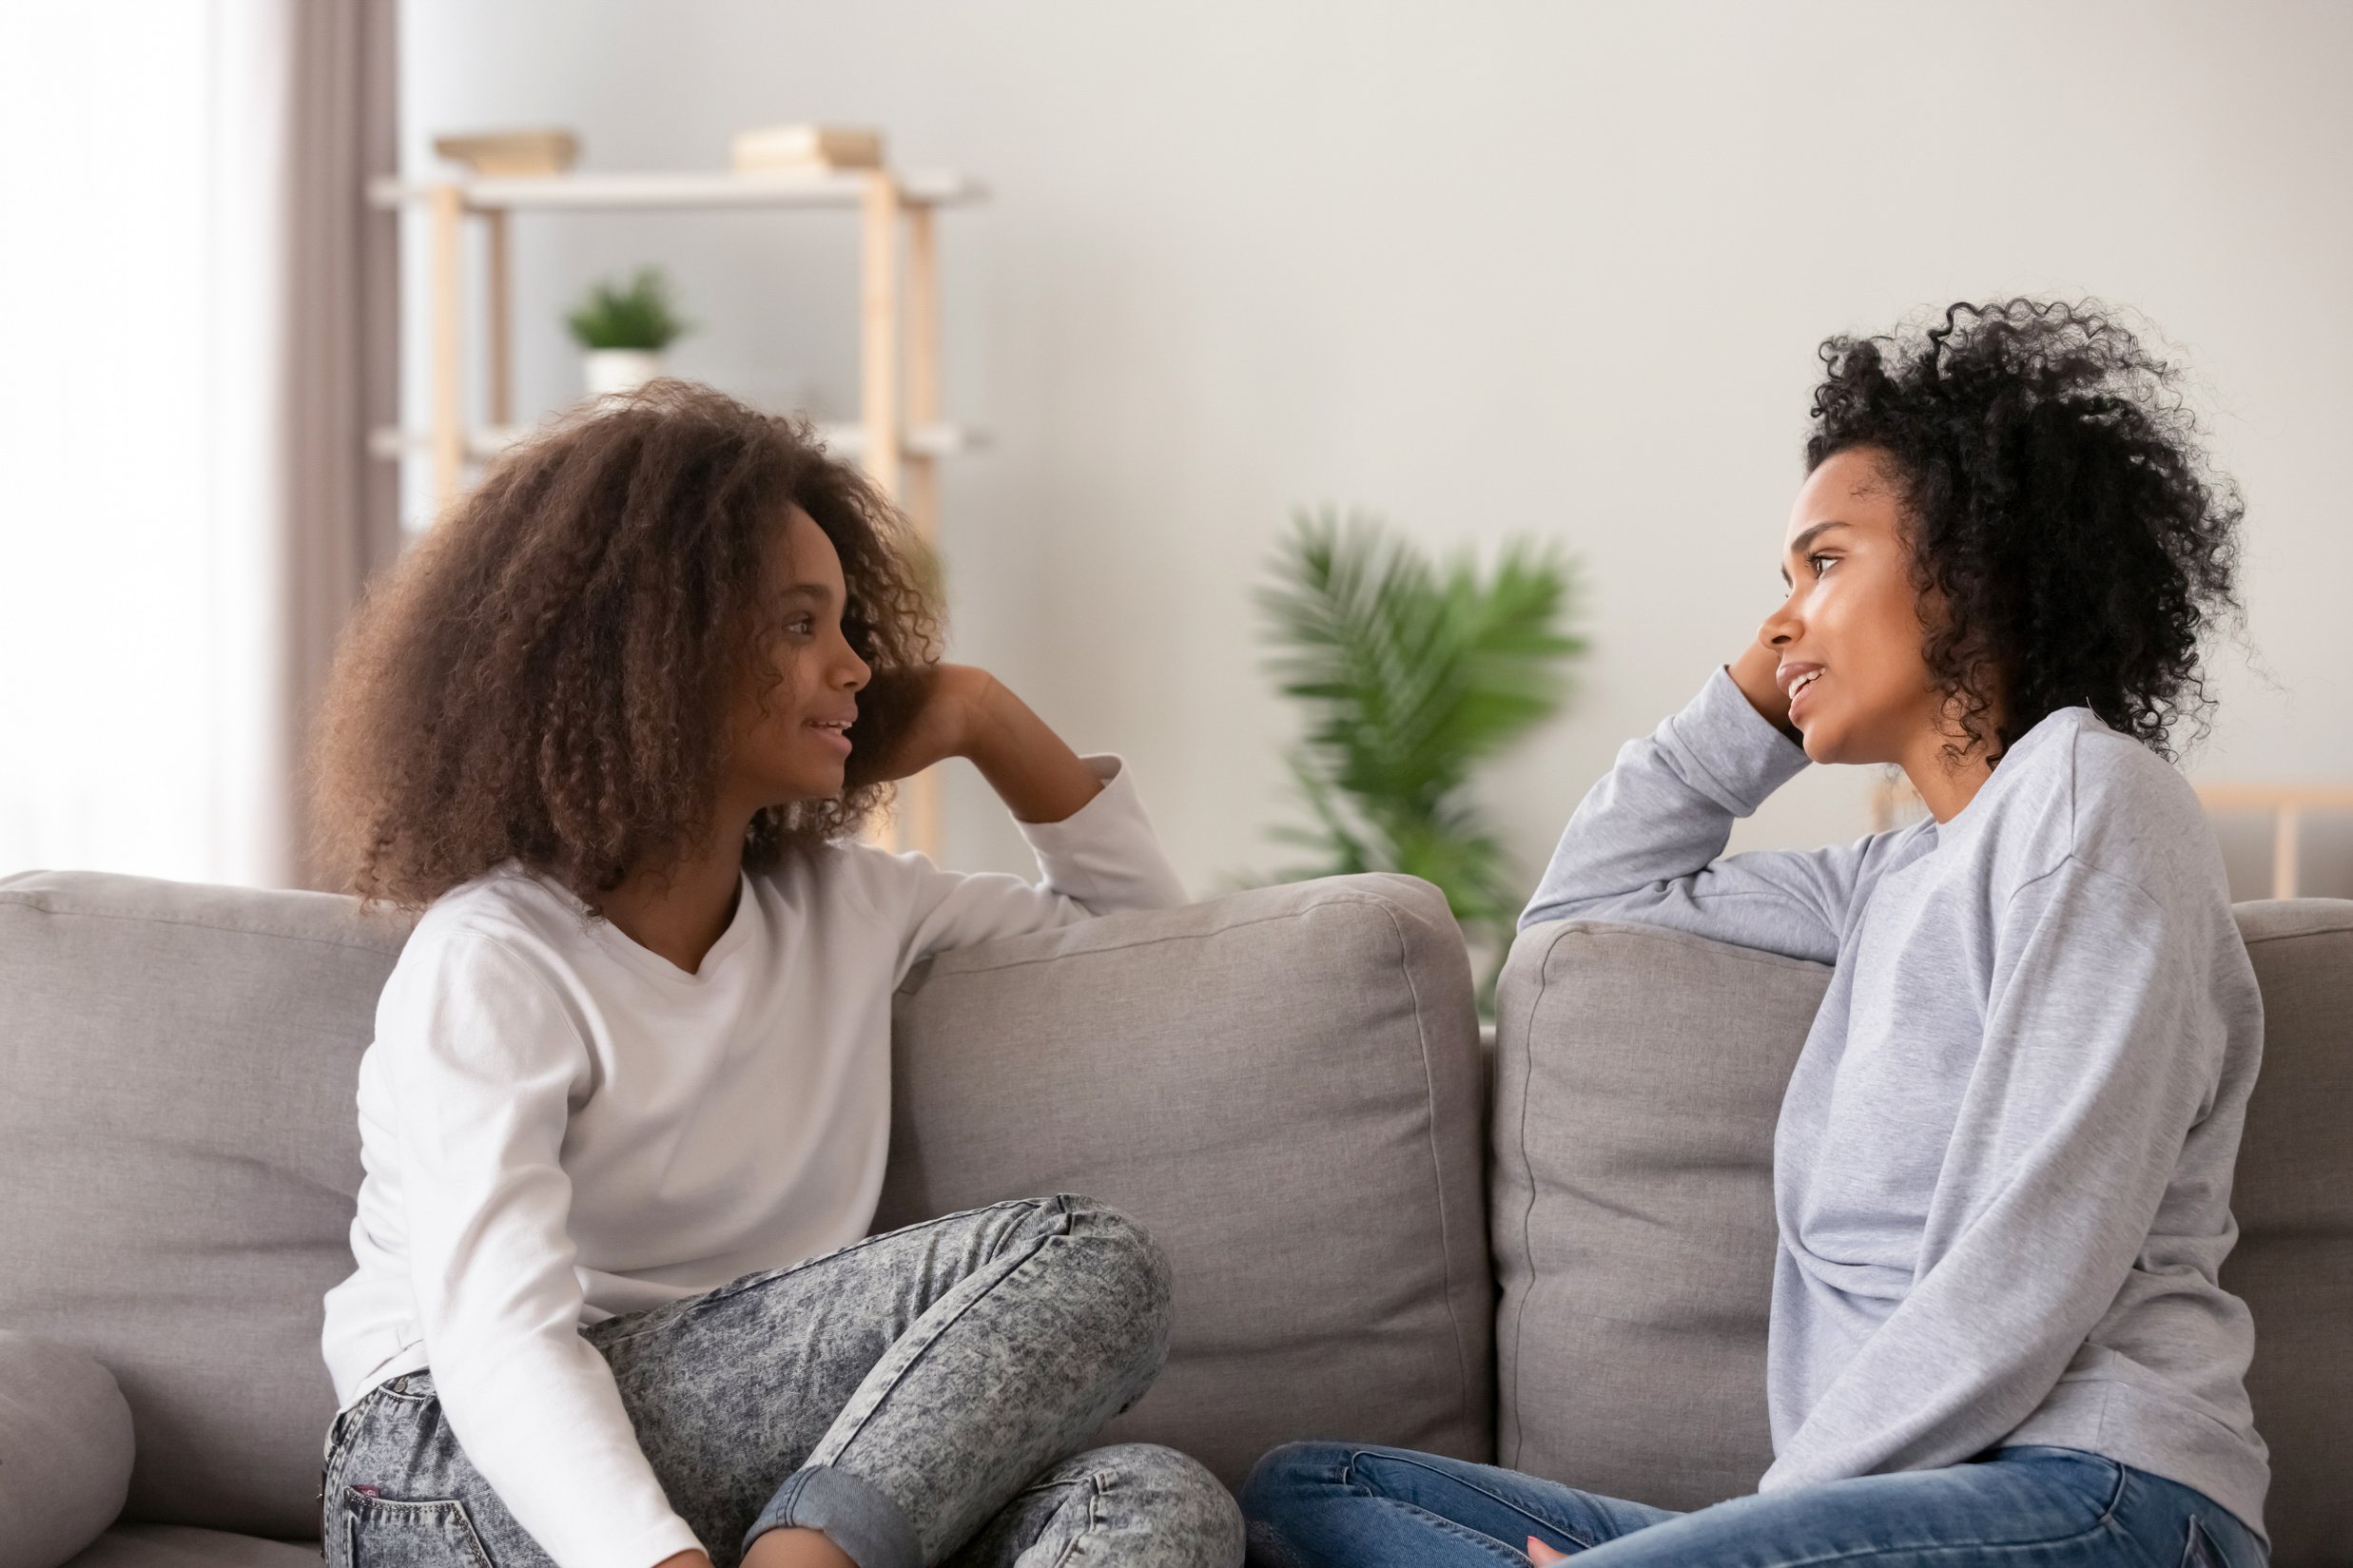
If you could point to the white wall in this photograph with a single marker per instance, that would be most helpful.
(1489, 268)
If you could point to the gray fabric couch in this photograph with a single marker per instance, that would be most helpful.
(1285, 1084)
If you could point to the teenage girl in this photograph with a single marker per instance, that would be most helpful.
(2002, 1170)
(624, 1120)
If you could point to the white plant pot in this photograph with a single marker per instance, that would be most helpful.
(610, 370)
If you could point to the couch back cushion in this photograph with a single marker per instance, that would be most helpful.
(1639, 1074)
(2294, 1201)
(1283, 1085)
(179, 1152)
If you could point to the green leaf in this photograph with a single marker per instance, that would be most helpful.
(1409, 672)
(639, 315)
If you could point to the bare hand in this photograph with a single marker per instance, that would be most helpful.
(1540, 1554)
(1753, 672)
(789, 1548)
(960, 710)
(942, 707)
(797, 1547)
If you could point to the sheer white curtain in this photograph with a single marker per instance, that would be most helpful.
(199, 326)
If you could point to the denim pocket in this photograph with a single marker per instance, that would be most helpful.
(2202, 1551)
(382, 1533)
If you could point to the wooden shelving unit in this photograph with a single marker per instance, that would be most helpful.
(2285, 804)
(1893, 801)
(900, 435)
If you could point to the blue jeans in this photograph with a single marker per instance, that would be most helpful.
(1340, 1505)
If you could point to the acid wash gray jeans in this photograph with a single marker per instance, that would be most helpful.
(919, 1395)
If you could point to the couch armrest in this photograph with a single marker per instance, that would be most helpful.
(64, 1450)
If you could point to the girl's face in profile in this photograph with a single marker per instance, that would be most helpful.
(1849, 635)
(788, 734)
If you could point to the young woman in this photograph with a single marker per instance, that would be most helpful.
(2002, 1172)
(625, 1115)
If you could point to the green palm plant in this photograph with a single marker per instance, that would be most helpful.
(1413, 672)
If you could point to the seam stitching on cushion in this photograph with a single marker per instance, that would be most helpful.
(38, 906)
(1437, 1166)
(1382, 904)
(1635, 930)
(1528, 1172)
(2302, 936)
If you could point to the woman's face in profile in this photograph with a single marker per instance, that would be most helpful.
(1848, 636)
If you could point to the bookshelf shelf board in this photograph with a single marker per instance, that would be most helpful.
(641, 192)
(898, 436)
(842, 439)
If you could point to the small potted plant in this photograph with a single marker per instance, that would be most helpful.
(625, 330)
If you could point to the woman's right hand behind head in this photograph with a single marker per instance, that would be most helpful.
(1756, 673)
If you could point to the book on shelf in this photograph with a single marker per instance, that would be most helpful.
(510, 154)
(808, 149)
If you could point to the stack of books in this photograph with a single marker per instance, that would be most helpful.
(806, 150)
(510, 154)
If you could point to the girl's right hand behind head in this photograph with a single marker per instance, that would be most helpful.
(888, 708)
(912, 718)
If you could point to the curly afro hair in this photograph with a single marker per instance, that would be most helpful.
(545, 678)
(2071, 541)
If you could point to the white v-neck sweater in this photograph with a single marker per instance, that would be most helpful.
(559, 1125)
(2003, 1165)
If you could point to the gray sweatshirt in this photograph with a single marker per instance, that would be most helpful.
(2002, 1170)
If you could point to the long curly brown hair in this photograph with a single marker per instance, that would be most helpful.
(545, 678)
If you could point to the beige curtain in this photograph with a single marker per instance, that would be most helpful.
(338, 512)
(203, 333)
